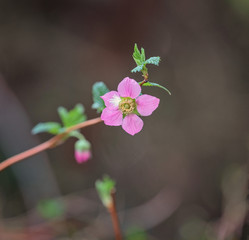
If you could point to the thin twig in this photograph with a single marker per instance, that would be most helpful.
(146, 76)
(113, 212)
(51, 143)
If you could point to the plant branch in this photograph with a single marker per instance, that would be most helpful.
(146, 76)
(113, 212)
(51, 143)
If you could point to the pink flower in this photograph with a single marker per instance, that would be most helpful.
(124, 106)
(82, 156)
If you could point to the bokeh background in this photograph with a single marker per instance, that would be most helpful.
(184, 176)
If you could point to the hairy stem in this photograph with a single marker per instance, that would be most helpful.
(51, 143)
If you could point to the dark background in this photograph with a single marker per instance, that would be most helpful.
(185, 175)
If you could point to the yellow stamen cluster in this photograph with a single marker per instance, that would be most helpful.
(127, 105)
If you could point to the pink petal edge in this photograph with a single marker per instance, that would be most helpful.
(111, 99)
(132, 124)
(129, 88)
(147, 104)
(112, 117)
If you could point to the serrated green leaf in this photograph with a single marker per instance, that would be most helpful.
(99, 89)
(150, 84)
(142, 55)
(137, 69)
(153, 60)
(104, 188)
(72, 117)
(49, 127)
(137, 55)
(141, 61)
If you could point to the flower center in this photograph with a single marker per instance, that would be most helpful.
(127, 105)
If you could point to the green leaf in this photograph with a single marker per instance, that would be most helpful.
(153, 60)
(104, 188)
(142, 55)
(63, 113)
(99, 89)
(49, 127)
(137, 69)
(76, 115)
(150, 84)
(137, 55)
(50, 208)
(141, 61)
(72, 117)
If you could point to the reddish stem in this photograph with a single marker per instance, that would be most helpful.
(113, 212)
(146, 76)
(52, 142)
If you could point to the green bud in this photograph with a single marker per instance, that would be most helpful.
(82, 145)
(104, 188)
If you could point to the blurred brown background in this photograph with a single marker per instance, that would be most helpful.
(185, 175)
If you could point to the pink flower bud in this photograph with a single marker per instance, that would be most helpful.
(82, 156)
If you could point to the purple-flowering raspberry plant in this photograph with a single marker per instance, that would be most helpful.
(123, 107)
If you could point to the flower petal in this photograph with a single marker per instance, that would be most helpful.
(129, 88)
(112, 117)
(146, 104)
(82, 156)
(132, 124)
(111, 99)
